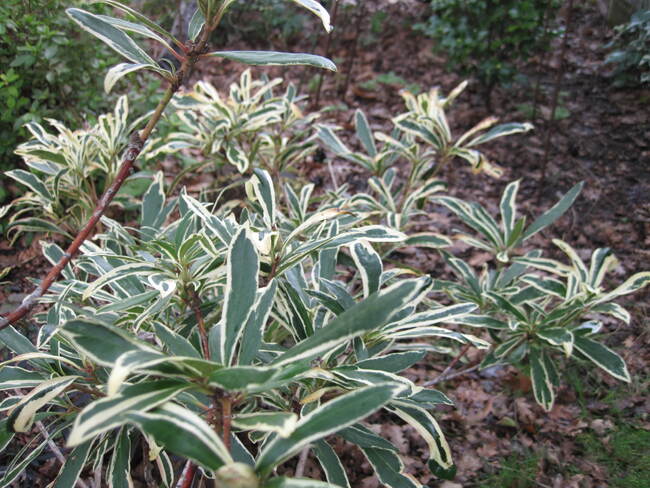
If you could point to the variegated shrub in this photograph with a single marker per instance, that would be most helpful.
(423, 140)
(231, 342)
(536, 316)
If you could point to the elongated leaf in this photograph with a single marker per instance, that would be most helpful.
(317, 9)
(74, 463)
(329, 418)
(389, 468)
(364, 133)
(272, 58)
(265, 194)
(632, 284)
(427, 427)
(119, 469)
(183, 432)
(554, 213)
(603, 357)
(331, 464)
(509, 209)
(241, 287)
(21, 416)
(257, 378)
(541, 380)
(113, 37)
(282, 423)
(101, 342)
(392, 363)
(110, 412)
(143, 20)
(369, 264)
(254, 330)
(32, 182)
(371, 314)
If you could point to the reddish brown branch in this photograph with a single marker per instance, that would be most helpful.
(226, 419)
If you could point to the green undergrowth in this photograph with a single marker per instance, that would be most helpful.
(624, 454)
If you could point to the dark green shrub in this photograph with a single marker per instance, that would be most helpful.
(632, 50)
(486, 38)
(46, 71)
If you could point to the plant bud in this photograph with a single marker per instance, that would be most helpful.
(236, 475)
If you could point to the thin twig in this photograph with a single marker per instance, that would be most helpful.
(452, 376)
(556, 95)
(130, 155)
(453, 363)
(302, 462)
(328, 47)
(55, 449)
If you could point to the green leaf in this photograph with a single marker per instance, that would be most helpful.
(113, 37)
(241, 288)
(509, 209)
(603, 357)
(254, 330)
(101, 342)
(363, 437)
(32, 182)
(256, 378)
(389, 468)
(427, 239)
(74, 464)
(554, 213)
(282, 423)
(541, 380)
(183, 432)
(424, 423)
(369, 264)
(265, 194)
(331, 464)
(21, 416)
(196, 24)
(325, 420)
(142, 19)
(392, 363)
(110, 412)
(119, 469)
(364, 133)
(370, 314)
(272, 58)
(632, 284)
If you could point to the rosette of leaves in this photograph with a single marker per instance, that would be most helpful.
(242, 323)
(534, 317)
(68, 172)
(422, 138)
(253, 127)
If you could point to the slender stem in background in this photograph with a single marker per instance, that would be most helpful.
(328, 47)
(546, 38)
(132, 152)
(353, 54)
(453, 375)
(556, 94)
(444, 375)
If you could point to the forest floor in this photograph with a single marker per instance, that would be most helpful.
(598, 432)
